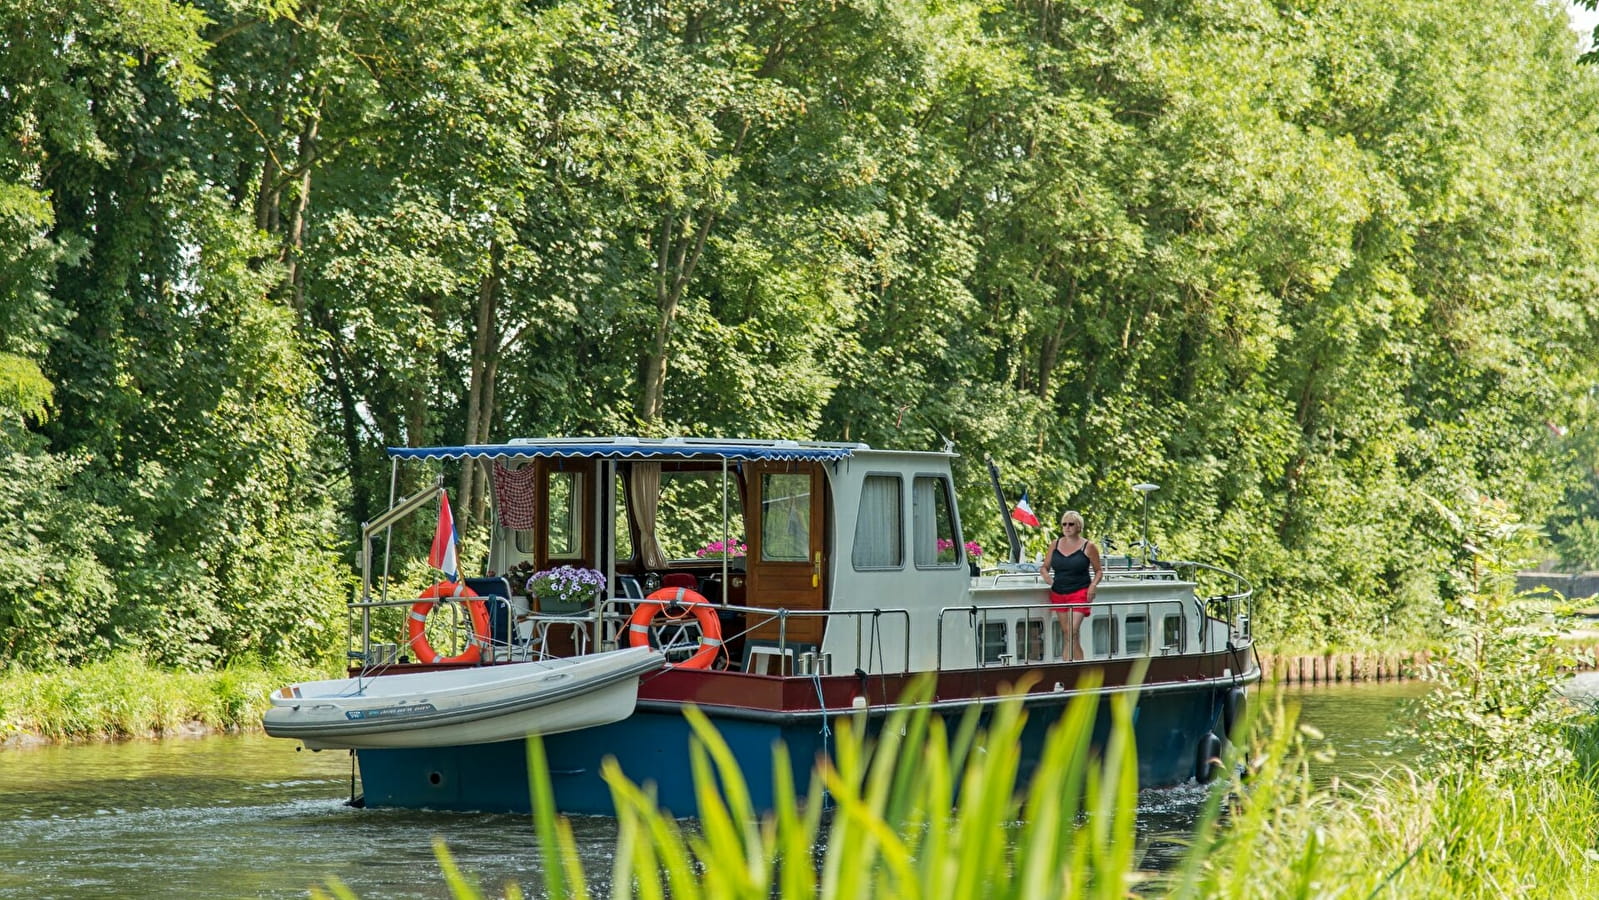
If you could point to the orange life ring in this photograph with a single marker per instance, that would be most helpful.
(419, 618)
(659, 602)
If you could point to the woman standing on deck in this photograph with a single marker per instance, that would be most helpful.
(1074, 571)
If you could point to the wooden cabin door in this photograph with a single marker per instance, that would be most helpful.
(784, 565)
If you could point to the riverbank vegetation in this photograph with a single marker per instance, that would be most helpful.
(123, 697)
(1303, 265)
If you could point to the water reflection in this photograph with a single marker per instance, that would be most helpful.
(247, 816)
(1359, 722)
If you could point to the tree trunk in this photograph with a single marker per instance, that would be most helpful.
(676, 256)
(1049, 353)
(350, 431)
(269, 196)
(1306, 416)
(1049, 358)
(485, 346)
(294, 240)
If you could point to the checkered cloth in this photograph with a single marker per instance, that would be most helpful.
(513, 496)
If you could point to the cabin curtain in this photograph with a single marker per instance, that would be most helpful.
(514, 492)
(878, 543)
(644, 490)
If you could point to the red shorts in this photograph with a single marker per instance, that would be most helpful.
(1077, 600)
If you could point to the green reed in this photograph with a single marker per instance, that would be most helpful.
(919, 812)
(916, 812)
(126, 697)
(1451, 832)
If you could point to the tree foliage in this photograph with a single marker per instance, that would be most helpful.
(1301, 264)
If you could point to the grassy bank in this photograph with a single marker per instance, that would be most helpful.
(124, 697)
(1452, 828)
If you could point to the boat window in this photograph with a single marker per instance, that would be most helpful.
(994, 643)
(1171, 627)
(1030, 640)
(786, 517)
(1136, 634)
(879, 529)
(933, 523)
(624, 537)
(688, 521)
(1099, 639)
(563, 516)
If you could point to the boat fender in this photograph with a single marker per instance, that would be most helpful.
(662, 602)
(1207, 762)
(1233, 711)
(418, 618)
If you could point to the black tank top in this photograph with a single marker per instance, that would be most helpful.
(1071, 570)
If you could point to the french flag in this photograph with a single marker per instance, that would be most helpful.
(1023, 512)
(442, 555)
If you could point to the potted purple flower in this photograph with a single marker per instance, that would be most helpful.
(565, 589)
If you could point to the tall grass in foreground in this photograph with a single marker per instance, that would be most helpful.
(922, 813)
(917, 812)
(125, 697)
(1446, 832)
(1506, 802)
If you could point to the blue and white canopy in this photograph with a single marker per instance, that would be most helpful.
(636, 448)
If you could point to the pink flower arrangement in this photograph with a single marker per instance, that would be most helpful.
(718, 549)
(974, 550)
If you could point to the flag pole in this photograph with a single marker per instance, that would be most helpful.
(1146, 489)
(1004, 511)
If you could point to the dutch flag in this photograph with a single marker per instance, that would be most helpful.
(442, 554)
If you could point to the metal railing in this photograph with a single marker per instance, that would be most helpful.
(610, 615)
(979, 616)
(867, 631)
(1236, 606)
(377, 656)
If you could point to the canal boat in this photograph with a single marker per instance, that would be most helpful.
(784, 585)
(456, 707)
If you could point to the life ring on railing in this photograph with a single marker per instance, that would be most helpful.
(419, 619)
(660, 602)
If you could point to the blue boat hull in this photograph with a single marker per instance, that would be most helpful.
(652, 746)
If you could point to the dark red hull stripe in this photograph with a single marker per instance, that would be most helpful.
(770, 697)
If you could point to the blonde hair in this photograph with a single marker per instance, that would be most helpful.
(1072, 515)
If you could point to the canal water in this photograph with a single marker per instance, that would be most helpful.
(249, 816)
